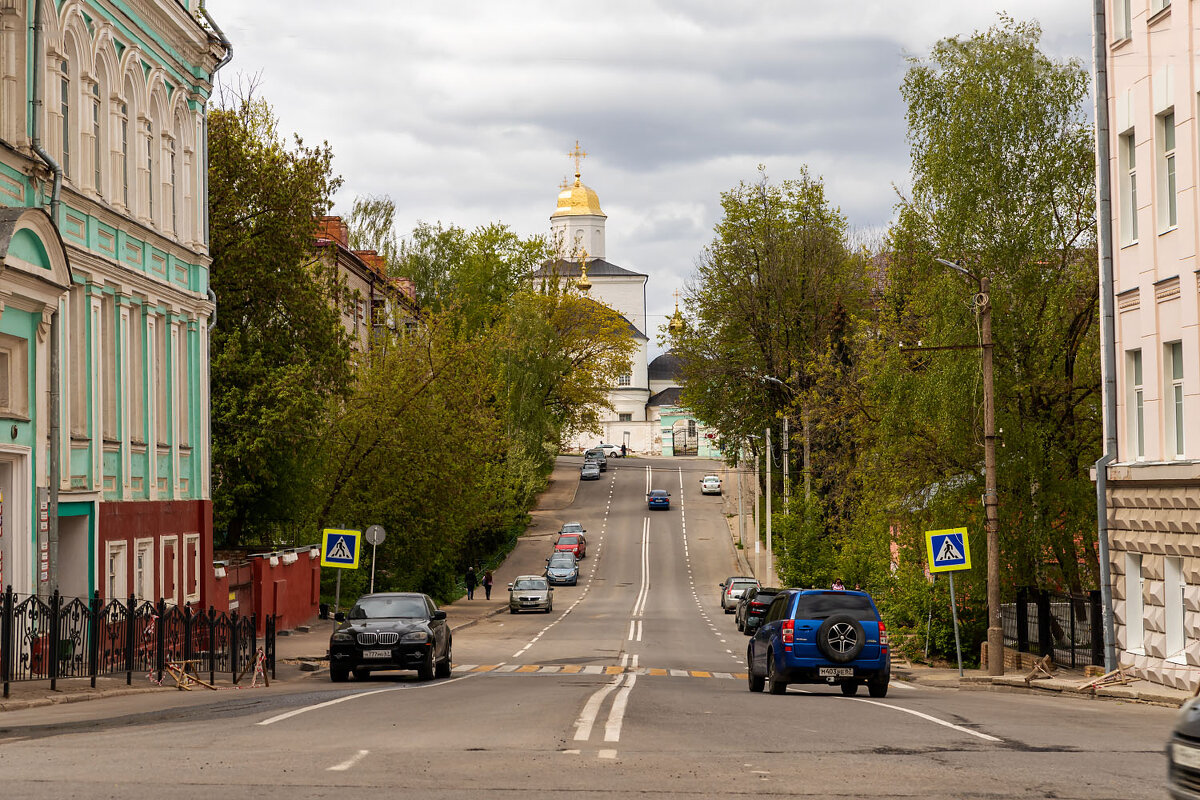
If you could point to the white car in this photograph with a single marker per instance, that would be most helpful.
(710, 484)
(610, 450)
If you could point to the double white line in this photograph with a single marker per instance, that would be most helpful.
(616, 715)
(639, 605)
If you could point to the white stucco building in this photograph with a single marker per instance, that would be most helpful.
(1154, 488)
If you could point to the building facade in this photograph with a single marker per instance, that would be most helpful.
(1154, 486)
(104, 269)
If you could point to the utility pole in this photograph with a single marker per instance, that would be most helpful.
(770, 554)
(757, 549)
(741, 519)
(995, 631)
(787, 489)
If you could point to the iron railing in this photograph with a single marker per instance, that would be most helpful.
(1067, 627)
(71, 637)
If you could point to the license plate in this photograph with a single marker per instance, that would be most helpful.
(377, 653)
(835, 672)
(1186, 756)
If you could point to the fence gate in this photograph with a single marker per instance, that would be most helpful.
(686, 442)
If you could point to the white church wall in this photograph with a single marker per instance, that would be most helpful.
(626, 294)
(578, 232)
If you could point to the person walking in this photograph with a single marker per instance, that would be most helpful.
(839, 586)
(487, 585)
(470, 581)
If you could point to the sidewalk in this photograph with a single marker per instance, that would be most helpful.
(302, 654)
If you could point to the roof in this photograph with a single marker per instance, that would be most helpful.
(667, 397)
(597, 267)
(665, 368)
(577, 200)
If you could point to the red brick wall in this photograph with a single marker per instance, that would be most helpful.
(132, 521)
(289, 591)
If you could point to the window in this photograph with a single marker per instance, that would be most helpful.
(1127, 187)
(14, 376)
(1168, 211)
(134, 376)
(1173, 600)
(1135, 403)
(1173, 370)
(182, 390)
(1134, 612)
(64, 99)
(1159, 5)
(625, 417)
(124, 154)
(162, 383)
(624, 380)
(149, 169)
(114, 581)
(108, 358)
(96, 148)
(77, 360)
(1122, 19)
(171, 187)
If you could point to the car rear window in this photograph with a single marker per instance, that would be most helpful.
(825, 605)
(568, 538)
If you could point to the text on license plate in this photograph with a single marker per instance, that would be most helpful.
(377, 653)
(835, 672)
(1186, 756)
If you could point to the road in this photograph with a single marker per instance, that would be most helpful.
(634, 686)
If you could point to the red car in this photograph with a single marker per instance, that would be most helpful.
(572, 543)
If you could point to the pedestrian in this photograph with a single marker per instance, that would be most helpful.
(487, 585)
(839, 586)
(623, 450)
(470, 581)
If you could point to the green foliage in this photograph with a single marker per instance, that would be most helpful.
(279, 354)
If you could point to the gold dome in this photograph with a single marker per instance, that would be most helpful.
(578, 200)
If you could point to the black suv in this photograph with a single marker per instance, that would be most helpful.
(820, 636)
(753, 607)
(391, 630)
(596, 454)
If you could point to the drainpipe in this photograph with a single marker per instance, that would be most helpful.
(225, 59)
(55, 461)
(1108, 337)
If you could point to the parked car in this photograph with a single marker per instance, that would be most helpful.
(710, 484)
(753, 607)
(658, 498)
(611, 450)
(732, 589)
(573, 543)
(530, 593)
(820, 636)
(597, 454)
(1183, 753)
(590, 471)
(562, 568)
(391, 630)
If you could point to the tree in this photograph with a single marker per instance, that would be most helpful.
(279, 353)
(370, 227)
(1003, 171)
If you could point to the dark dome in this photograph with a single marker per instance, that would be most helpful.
(665, 368)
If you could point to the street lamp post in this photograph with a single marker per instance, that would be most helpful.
(995, 630)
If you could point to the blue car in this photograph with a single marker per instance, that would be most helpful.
(833, 637)
(658, 498)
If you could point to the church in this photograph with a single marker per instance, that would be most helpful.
(645, 416)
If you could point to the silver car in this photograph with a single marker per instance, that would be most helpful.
(562, 568)
(530, 593)
(732, 590)
(710, 484)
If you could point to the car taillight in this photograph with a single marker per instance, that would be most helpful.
(883, 635)
(758, 605)
(789, 627)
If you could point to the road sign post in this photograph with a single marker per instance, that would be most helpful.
(339, 548)
(949, 551)
(375, 536)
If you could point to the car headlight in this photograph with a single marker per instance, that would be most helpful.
(342, 636)
(415, 636)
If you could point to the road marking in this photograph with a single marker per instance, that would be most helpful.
(616, 715)
(607, 754)
(587, 717)
(935, 720)
(298, 711)
(902, 685)
(349, 762)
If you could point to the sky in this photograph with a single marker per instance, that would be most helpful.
(463, 111)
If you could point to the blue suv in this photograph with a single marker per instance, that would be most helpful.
(820, 636)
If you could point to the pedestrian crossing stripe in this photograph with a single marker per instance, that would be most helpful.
(948, 550)
(593, 669)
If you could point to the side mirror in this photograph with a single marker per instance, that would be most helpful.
(510, 587)
(439, 614)
(552, 588)
(547, 561)
(339, 616)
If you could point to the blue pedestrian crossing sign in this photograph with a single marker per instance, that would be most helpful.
(949, 550)
(339, 548)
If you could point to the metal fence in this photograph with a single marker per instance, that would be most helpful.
(1067, 627)
(71, 637)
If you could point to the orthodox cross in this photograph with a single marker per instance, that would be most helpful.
(578, 155)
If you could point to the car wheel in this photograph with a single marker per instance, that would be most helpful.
(877, 688)
(774, 685)
(442, 670)
(361, 674)
(425, 671)
(338, 674)
(756, 682)
(850, 688)
(741, 626)
(512, 610)
(841, 638)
